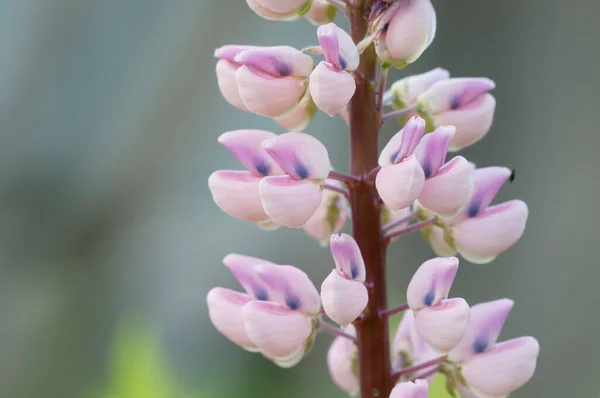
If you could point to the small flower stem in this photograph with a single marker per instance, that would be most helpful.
(398, 113)
(381, 91)
(393, 311)
(410, 228)
(390, 226)
(326, 327)
(333, 188)
(425, 375)
(335, 175)
(398, 374)
(340, 4)
(372, 173)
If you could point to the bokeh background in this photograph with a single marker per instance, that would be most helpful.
(109, 113)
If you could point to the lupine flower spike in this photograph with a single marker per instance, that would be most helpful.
(288, 180)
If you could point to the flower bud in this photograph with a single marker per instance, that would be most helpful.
(272, 80)
(275, 330)
(483, 330)
(418, 389)
(329, 218)
(342, 358)
(226, 68)
(225, 311)
(338, 48)
(503, 368)
(300, 155)
(480, 239)
(450, 189)
(463, 103)
(321, 12)
(406, 29)
(331, 89)
(279, 10)
(343, 299)
(288, 202)
(290, 287)
(300, 116)
(246, 146)
(244, 270)
(403, 143)
(432, 282)
(237, 194)
(399, 185)
(347, 257)
(443, 326)
(406, 91)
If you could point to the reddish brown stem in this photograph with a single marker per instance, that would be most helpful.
(372, 329)
(416, 368)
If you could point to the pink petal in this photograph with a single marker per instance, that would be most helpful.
(244, 270)
(290, 287)
(403, 143)
(450, 189)
(329, 218)
(443, 326)
(484, 328)
(289, 203)
(437, 239)
(431, 151)
(407, 90)
(300, 155)
(331, 90)
(246, 146)
(399, 185)
(418, 389)
(455, 93)
(432, 282)
(276, 331)
(236, 193)
(299, 118)
(225, 311)
(341, 358)
(283, 6)
(487, 182)
(229, 52)
(472, 121)
(343, 299)
(504, 368)
(347, 257)
(321, 12)
(227, 83)
(279, 61)
(266, 13)
(408, 346)
(269, 96)
(338, 47)
(480, 239)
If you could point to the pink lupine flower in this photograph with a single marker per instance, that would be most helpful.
(401, 178)
(331, 86)
(463, 103)
(406, 29)
(236, 192)
(448, 187)
(343, 294)
(226, 68)
(272, 80)
(405, 92)
(409, 348)
(293, 199)
(503, 368)
(418, 389)
(341, 361)
(300, 116)
(321, 12)
(440, 321)
(279, 10)
(330, 216)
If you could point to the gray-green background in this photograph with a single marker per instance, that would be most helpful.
(109, 113)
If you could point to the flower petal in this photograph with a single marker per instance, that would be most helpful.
(338, 47)
(236, 193)
(443, 326)
(290, 287)
(299, 118)
(432, 282)
(403, 143)
(341, 361)
(227, 83)
(431, 151)
(455, 93)
(331, 90)
(504, 368)
(244, 270)
(343, 299)
(329, 218)
(407, 90)
(321, 12)
(487, 182)
(437, 240)
(300, 155)
(399, 185)
(418, 389)
(246, 146)
(225, 311)
(347, 257)
(278, 61)
(409, 348)
(276, 331)
(288, 202)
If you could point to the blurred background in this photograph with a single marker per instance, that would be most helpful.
(109, 239)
